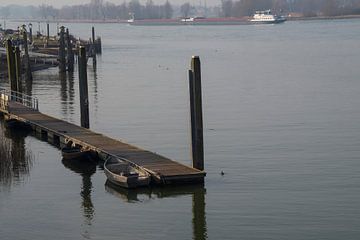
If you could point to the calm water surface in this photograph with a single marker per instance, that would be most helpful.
(281, 117)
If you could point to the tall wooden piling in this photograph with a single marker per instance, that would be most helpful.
(62, 59)
(196, 114)
(83, 87)
(98, 45)
(18, 70)
(70, 54)
(192, 115)
(93, 35)
(11, 65)
(93, 47)
(26, 58)
(30, 33)
(47, 34)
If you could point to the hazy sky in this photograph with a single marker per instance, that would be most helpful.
(59, 3)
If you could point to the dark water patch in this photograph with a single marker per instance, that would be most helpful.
(15, 160)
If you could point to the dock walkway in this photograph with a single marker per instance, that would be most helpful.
(162, 169)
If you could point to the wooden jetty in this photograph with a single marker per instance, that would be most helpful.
(39, 61)
(24, 108)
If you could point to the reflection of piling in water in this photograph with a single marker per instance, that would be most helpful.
(197, 192)
(199, 216)
(63, 91)
(15, 160)
(86, 169)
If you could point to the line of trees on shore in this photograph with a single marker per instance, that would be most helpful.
(102, 10)
(95, 10)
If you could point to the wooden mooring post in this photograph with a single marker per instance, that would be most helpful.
(98, 45)
(47, 34)
(93, 35)
(30, 33)
(26, 58)
(93, 47)
(70, 54)
(197, 144)
(11, 65)
(83, 87)
(18, 70)
(62, 59)
(95, 43)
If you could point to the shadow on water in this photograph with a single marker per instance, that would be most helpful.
(197, 192)
(15, 160)
(94, 78)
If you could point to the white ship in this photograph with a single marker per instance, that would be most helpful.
(267, 17)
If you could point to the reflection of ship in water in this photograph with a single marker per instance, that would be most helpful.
(85, 169)
(147, 194)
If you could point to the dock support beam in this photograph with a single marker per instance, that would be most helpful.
(62, 60)
(196, 114)
(83, 87)
(11, 65)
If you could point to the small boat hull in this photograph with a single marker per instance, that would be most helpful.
(123, 175)
(73, 153)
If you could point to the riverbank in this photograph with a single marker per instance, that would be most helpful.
(322, 18)
(122, 21)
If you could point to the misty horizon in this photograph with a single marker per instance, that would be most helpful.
(63, 3)
(105, 10)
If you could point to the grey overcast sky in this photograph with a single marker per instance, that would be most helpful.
(60, 3)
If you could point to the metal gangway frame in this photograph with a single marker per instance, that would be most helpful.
(6, 95)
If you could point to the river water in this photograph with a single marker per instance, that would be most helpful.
(281, 120)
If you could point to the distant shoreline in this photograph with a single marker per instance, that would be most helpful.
(323, 18)
(125, 21)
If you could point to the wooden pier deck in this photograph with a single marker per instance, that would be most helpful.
(162, 169)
